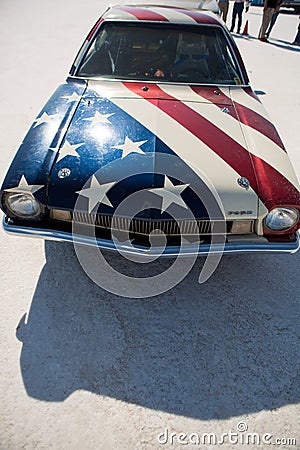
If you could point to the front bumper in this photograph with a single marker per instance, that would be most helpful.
(236, 244)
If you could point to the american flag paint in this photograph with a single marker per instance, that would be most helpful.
(220, 135)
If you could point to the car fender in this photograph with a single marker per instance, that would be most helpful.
(38, 151)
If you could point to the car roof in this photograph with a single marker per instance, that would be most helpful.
(163, 13)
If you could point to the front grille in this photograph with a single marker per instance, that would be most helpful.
(155, 227)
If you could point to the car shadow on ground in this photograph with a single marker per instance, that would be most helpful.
(293, 48)
(216, 350)
(285, 45)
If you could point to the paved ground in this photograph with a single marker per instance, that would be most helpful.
(83, 369)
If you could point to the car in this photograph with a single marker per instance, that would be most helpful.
(294, 4)
(156, 144)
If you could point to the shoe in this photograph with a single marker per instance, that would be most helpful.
(296, 43)
(263, 39)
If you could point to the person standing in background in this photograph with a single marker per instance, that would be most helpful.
(238, 8)
(223, 5)
(274, 18)
(269, 8)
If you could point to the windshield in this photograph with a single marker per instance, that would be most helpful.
(172, 53)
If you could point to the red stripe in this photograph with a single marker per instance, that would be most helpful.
(213, 94)
(272, 185)
(252, 94)
(217, 97)
(143, 14)
(223, 145)
(91, 33)
(244, 114)
(278, 191)
(199, 17)
(259, 123)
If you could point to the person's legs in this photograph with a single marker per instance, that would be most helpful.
(297, 38)
(272, 23)
(240, 14)
(267, 15)
(234, 13)
(221, 10)
(225, 10)
(221, 6)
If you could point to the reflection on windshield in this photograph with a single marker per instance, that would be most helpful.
(176, 53)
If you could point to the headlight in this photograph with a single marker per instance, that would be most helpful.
(22, 205)
(281, 219)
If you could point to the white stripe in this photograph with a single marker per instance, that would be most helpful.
(173, 15)
(257, 143)
(250, 139)
(182, 93)
(225, 91)
(263, 147)
(240, 96)
(111, 89)
(186, 93)
(193, 152)
(119, 14)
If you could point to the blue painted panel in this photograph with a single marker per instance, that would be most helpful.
(38, 150)
(102, 128)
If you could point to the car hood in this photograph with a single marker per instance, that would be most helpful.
(122, 134)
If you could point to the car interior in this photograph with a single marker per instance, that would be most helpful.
(172, 53)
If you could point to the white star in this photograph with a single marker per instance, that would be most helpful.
(72, 98)
(45, 118)
(68, 150)
(170, 194)
(99, 118)
(23, 186)
(130, 147)
(96, 193)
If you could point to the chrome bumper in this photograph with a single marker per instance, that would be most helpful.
(244, 244)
